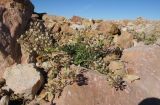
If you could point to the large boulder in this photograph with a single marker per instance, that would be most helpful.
(23, 79)
(141, 61)
(144, 61)
(14, 16)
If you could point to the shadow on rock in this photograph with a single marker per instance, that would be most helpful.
(81, 80)
(150, 101)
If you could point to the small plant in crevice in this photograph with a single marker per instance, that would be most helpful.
(117, 82)
(37, 38)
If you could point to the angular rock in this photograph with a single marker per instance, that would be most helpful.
(13, 23)
(23, 79)
(76, 20)
(115, 30)
(56, 28)
(14, 17)
(65, 28)
(142, 61)
(52, 18)
(125, 40)
(108, 28)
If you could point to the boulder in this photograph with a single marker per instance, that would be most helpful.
(14, 17)
(65, 28)
(108, 28)
(142, 61)
(52, 18)
(125, 40)
(76, 20)
(56, 28)
(23, 79)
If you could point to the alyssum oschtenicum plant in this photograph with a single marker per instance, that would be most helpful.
(82, 54)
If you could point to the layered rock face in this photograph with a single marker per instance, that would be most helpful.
(14, 16)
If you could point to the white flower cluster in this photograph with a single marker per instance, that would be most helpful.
(37, 38)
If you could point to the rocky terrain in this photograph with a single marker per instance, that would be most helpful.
(52, 60)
